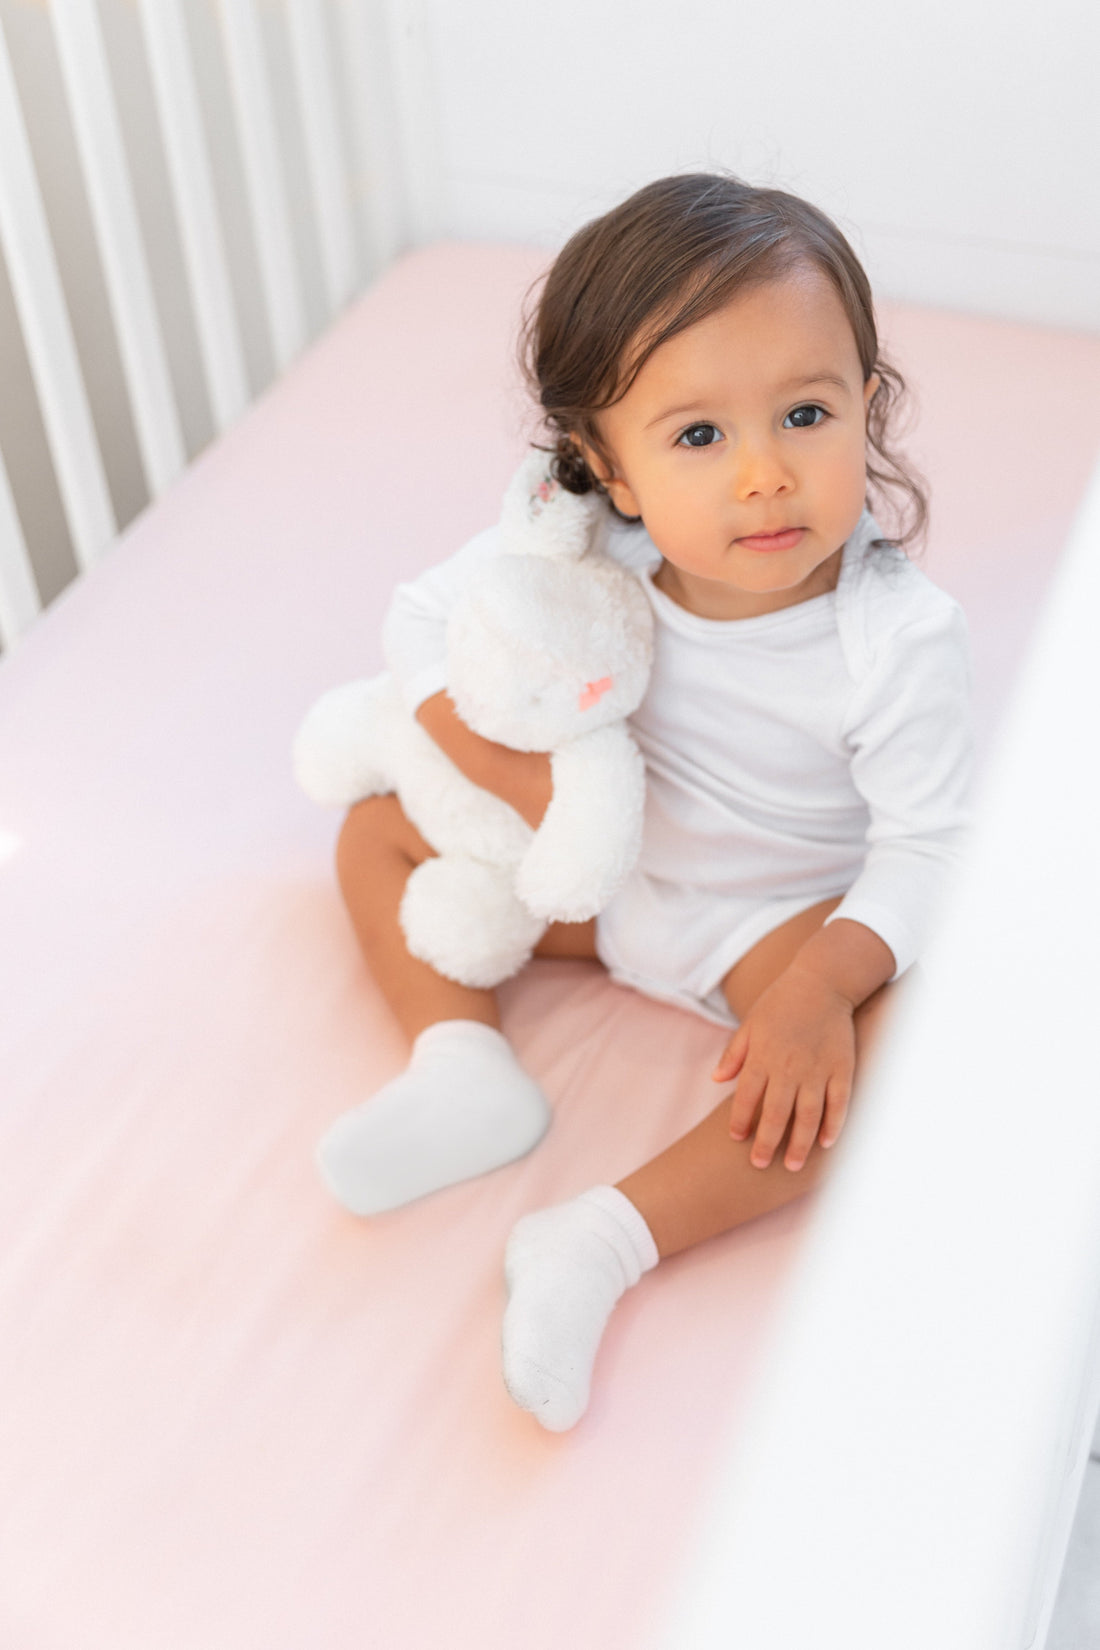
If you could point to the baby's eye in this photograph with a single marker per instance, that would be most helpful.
(801, 419)
(700, 435)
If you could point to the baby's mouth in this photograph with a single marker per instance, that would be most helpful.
(784, 540)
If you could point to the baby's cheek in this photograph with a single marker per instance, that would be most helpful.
(686, 534)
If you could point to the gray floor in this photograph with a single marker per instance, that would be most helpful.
(1076, 1622)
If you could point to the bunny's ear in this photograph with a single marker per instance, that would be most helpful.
(540, 517)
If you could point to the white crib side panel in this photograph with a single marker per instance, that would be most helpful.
(292, 113)
(130, 290)
(908, 1474)
(204, 249)
(44, 319)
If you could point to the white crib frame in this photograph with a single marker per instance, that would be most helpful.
(908, 1473)
(340, 187)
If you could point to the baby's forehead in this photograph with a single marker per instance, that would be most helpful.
(778, 327)
(773, 340)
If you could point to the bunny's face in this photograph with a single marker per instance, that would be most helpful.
(541, 651)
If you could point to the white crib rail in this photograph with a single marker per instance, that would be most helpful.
(266, 192)
(133, 308)
(19, 603)
(189, 164)
(317, 101)
(36, 286)
(354, 225)
(909, 1473)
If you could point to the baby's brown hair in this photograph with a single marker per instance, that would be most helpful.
(674, 252)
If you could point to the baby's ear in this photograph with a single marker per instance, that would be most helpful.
(623, 498)
(618, 490)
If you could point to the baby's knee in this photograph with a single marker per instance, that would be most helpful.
(365, 822)
(376, 827)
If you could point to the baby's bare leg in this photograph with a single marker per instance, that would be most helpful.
(377, 851)
(704, 1183)
(568, 1265)
(465, 1105)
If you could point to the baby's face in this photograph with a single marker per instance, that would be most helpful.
(751, 421)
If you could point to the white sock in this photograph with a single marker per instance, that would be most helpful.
(464, 1106)
(566, 1268)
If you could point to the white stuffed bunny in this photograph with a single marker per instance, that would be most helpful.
(548, 649)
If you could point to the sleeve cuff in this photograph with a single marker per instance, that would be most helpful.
(890, 928)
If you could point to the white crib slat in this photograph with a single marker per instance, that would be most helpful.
(316, 98)
(364, 59)
(192, 185)
(47, 332)
(409, 32)
(19, 600)
(95, 118)
(266, 192)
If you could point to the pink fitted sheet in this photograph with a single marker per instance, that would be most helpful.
(232, 1416)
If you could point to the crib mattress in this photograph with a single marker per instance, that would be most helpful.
(233, 1416)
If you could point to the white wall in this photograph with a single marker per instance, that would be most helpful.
(957, 141)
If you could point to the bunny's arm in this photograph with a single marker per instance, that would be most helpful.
(592, 834)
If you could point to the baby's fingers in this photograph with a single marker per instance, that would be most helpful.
(837, 1095)
(732, 1057)
(807, 1116)
(746, 1098)
(774, 1116)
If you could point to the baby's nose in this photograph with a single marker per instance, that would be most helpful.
(760, 470)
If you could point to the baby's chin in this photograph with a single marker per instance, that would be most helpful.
(795, 578)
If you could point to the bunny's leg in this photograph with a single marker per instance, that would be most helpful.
(464, 1105)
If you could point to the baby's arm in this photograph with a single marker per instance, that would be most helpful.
(795, 1049)
(909, 733)
(520, 778)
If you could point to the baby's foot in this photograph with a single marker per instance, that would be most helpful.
(566, 1268)
(464, 1106)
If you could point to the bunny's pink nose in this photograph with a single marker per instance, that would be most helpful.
(593, 692)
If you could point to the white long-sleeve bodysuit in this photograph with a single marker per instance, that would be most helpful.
(821, 750)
